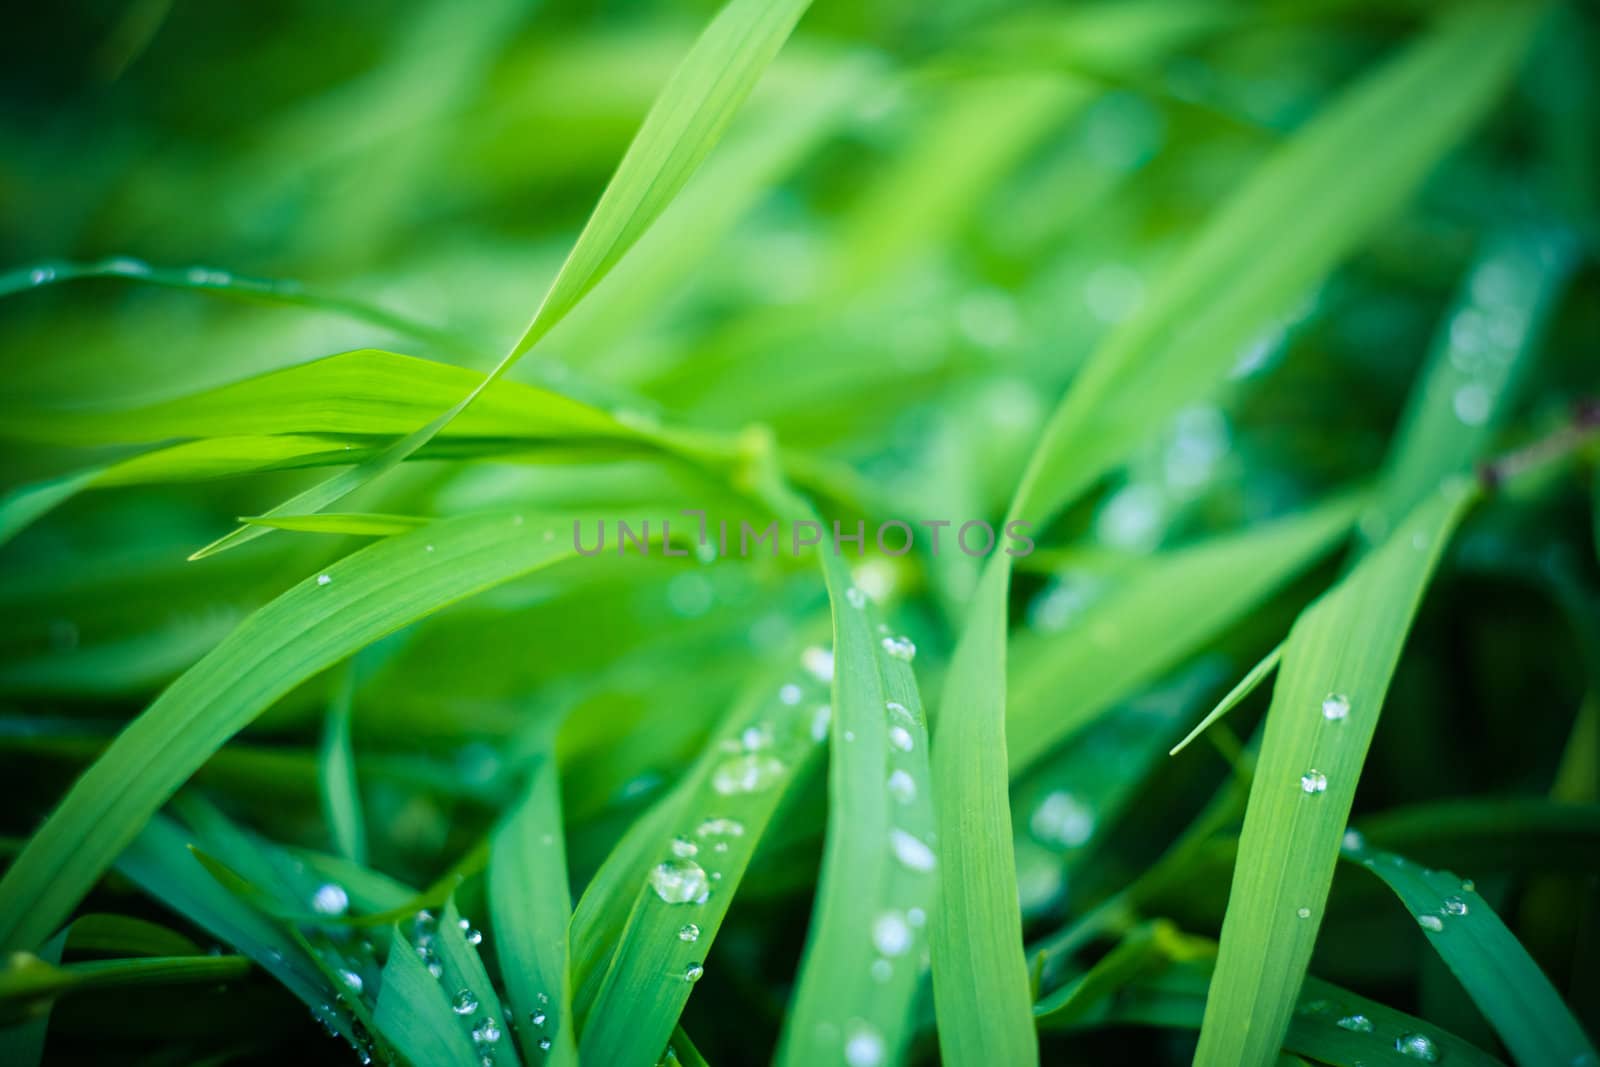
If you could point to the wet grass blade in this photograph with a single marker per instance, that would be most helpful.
(414, 1012)
(1305, 209)
(306, 630)
(1330, 688)
(530, 906)
(862, 963)
(1132, 635)
(1488, 960)
(1235, 696)
(650, 915)
(1331, 1025)
(473, 999)
(225, 283)
(341, 796)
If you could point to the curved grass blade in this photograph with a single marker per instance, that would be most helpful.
(1491, 965)
(682, 127)
(160, 862)
(530, 906)
(862, 963)
(664, 899)
(414, 1012)
(306, 630)
(341, 796)
(366, 391)
(29, 985)
(1132, 635)
(1331, 1025)
(1330, 688)
(226, 283)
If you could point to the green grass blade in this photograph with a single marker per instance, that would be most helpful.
(1235, 696)
(1330, 1024)
(414, 1012)
(28, 984)
(225, 283)
(862, 962)
(1312, 203)
(980, 978)
(473, 999)
(1133, 634)
(530, 906)
(367, 391)
(306, 630)
(341, 796)
(1481, 351)
(663, 902)
(1330, 688)
(683, 125)
(363, 524)
(1492, 966)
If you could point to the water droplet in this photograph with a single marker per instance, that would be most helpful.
(352, 981)
(544, 1044)
(863, 1048)
(693, 973)
(1430, 922)
(900, 648)
(881, 971)
(1455, 906)
(543, 998)
(472, 936)
(819, 722)
(689, 932)
(902, 787)
(1418, 1047)
(486, 1032)
(901, 739)
(891, 933)
(818, 662)
(683, 848)
(1061, 819)
(1469, 886)
(911, 852)
(755, 738)
(747, 773)
(1335, 706)
(680, 881)
(899, 712)
(1304, 913)
(1472, 403)
(1354, 841)
(1358, 1024)
(856, 597)
(1313, 781)
(40, 275)
(125, 265)
(720, 828)
(464, 1002)
(330, 899)
(537, 1018)
(790, 694)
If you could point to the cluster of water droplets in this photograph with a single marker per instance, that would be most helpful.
(1412, 1045)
